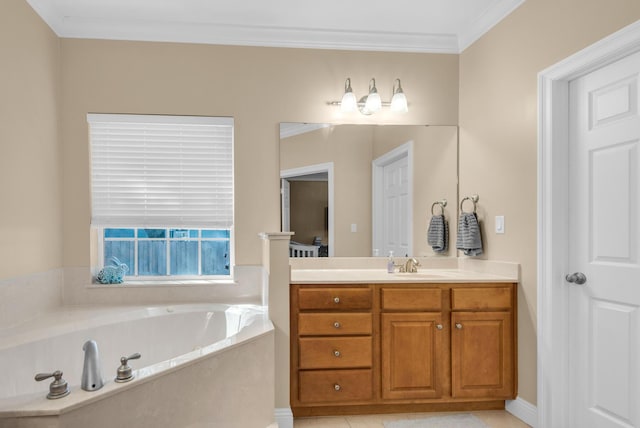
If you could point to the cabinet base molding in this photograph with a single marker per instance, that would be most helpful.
(397, 408)
(284, 417)
(523, 410)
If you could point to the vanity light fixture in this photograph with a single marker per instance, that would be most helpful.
(349, 102)
(371, 102)
(399, 99)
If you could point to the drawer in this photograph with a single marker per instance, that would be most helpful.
(335, 386)
(334, 324)
(481, 298)
(335, 298)
(411, 299)
(335, 352)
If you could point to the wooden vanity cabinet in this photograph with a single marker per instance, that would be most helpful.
(402, 347)
(483, 342)
(331, 345)
(414, 355)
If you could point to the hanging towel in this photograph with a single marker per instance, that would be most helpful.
(438, 234)
(469, 240)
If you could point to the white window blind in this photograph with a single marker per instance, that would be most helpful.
(161, 170)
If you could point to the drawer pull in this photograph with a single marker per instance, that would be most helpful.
(459, 326)
(336, 300)
(439, 326)
(337, 387)
(336, 353)
(337, 324)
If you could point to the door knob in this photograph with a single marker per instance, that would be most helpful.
(576, 278)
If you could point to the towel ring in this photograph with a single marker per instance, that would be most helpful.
(442, 203)
(473, 199)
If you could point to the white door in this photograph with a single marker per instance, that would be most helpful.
(395, 200)
(604, 232)
(285, 201)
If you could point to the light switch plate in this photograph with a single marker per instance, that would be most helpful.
(499, 224)
(354, 227)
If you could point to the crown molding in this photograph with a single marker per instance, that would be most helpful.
(485, 22)
(249, 35)
(272, 36)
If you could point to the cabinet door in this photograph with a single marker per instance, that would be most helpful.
(482, 355)
(413, 363)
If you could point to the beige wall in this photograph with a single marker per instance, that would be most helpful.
(30, 174)
(498, 116)
(259, 87)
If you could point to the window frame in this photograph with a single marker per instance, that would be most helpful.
(133, 275)
(98, 230)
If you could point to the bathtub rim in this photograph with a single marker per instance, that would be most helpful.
(57, 321)
(32, 405)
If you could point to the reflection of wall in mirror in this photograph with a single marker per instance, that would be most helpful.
(352, 148)
(308, 202)
(349, 148)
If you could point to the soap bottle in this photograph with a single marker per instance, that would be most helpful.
(390, 264)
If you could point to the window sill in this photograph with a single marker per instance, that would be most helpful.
(166, 283)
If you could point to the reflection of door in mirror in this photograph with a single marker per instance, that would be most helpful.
(285, 198)
(392, 208)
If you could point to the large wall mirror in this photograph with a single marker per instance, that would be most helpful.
(365, 190)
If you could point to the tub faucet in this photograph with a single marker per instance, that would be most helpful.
(91, 372)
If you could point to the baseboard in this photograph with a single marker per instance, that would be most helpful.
(284, 417)
(523, 410)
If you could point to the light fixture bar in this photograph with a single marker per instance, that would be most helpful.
(371, 102)
(339, 103)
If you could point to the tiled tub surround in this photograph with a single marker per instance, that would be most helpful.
(200, 364)
(247, 286)
(27, 297)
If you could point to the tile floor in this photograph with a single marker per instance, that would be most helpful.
(493, 418)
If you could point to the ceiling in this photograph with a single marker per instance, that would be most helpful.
(445, 26)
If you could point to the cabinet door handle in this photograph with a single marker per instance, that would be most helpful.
(459, 326)
(337, 387)
(336, 300)
(337, 324)
(336, 353)
(439, 326)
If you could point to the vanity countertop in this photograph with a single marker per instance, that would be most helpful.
(375, 276)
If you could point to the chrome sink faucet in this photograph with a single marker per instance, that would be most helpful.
(411, 265)
(91, 371)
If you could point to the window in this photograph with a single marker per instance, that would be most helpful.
(162, 193)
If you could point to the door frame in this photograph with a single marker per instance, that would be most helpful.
(553, 216)
(377, 175)
(315, 169)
